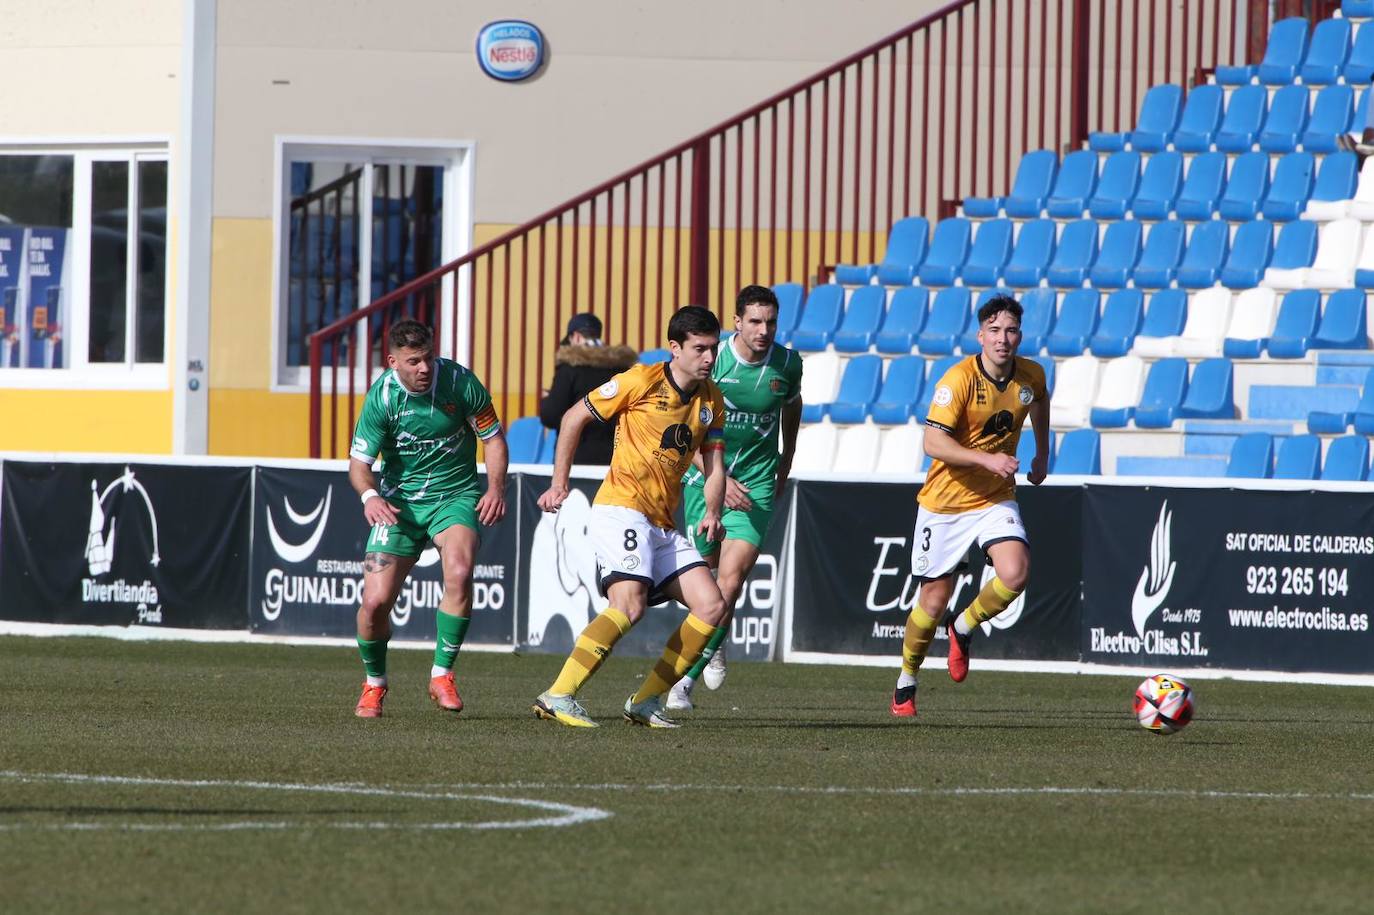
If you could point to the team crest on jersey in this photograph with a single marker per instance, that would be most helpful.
(609, 388)
(776, 385)
(1025, 395)
(943, 395)
(449, 408)
(706, 415)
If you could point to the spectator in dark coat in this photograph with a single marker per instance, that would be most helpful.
(581, 364)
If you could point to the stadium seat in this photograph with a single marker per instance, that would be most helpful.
(654, 356)
(899, 449)
(1031, 257)
(1291, 187)
(1343, 324)
(1244, 118)
(856, 449)
(789, 309)
(1286, 121)
(1162, 397)
(1299, 458)
(816, 447)
(989, 253)
(1296, 324)
(1159, 113)
(1246, 188)
(820, 318)
(1293, 252)
(1211, 392)
(1159, 186)
(1252, 322)
(1163, 250)
(1074, 397)
(1330, 118)
(1327, 52)
(549, 448)
(901, 391)
(1047, 364)
(1252, 457)
(1120, 323)
(1040, 308)
(906, 315)
(1074, 185)
(1359, 66)
(1118, 183)
(1361, 206)
(907, 244)
(1235, 74)
(1026, 450)
(1337, 250)
(1332, 422)
(1251, 251)
(1166, 314)
(820, 382)
(948, 251)
(1118, 256)
(1204, 334)
(968, 337)
(1077, 322)
(1123, 381)
(1207, 250)
(1203, 184)
(1197, 128)
(1337, 182)
(855, 274)
(1076, 252)
(937, 371)
(948, 315)
(524, 438)
(1364, 264)
(1285, 52)
(1347, 459)
(1029, 191)
(861, 319)
(1080, 453)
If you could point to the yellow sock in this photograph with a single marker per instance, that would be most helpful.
(992, 600)
(593, 645)
(919, 630)
(681, 652)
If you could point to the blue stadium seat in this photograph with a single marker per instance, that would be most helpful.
(1075, 255)
(1337, 178)
(1166, 314)
(789, 308)
(968, 337)
(1287, 120)
(524, 438)
(549, 448)
(1328, 422)
(1299, 458)
(1327, 53)
(1250, 254)
(948, 315)
(1285, 53)
(1246, 187)
(820, 317)
(1117, 185)
(1291, 187)
(1347, 459)
(1207, 249)
(1235, 74)
(1330, 118)
(1076, 324)
(861, 320)
(1080, 453)
(937, 371)
(1031, 258)
(1025, 449)
(1074, 185)
(654, 356)
(1159, 186)
(1029, 191)
(1202, 187)
(901, 391)
(1296, 247)
(1343, 322)
(1252, 457)
(1037, 320)
(855, 274)
(1296, 324)
(906, 316)
(1244, 119)
(1162, 398)
(987, 257)
(1201, 119)
(948, 250)
(1211, 392)
(1163, 250)
(906, 248)
(1120, 251)
(1159, 113)
(858, 388)
(1120, 323)
(1359, 66)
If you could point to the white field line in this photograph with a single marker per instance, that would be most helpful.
(563, 814)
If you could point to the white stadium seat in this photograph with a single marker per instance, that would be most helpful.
(1362, 206)
(820, 377)
(857, 449)
(816, 447)
(1123, 381)
(1075, 389)
(1204, 333)
(1254, 315)
(901, 449)
(1337, 248)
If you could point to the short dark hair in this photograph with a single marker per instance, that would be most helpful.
(409, 334)
(998, 304)
(754, 295)
(692, 319)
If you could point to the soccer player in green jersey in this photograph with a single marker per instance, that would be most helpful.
(761, 384)
(423, 418)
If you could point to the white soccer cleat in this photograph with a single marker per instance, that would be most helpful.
(648, 713)
(680, 696)
(714, 673)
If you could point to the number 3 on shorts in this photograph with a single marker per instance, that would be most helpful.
(925, 539)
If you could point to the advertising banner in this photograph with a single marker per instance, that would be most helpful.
(853, 585)
(116, 544)
(307, 571)
(11, 276)
(46, 310)
(1236, 579)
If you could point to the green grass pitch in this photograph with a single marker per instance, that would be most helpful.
(235, 778)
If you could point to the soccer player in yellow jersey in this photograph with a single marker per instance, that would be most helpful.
(969, 496)
(667, 412)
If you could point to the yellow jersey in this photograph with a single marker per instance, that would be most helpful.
(981, 414)
(660, 428)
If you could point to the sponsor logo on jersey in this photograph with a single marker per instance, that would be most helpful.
(998, 424)
(123, 496)
(678, 436)
(360, 445)
(943, 396)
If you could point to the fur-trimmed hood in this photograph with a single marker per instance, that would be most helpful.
(618, 358)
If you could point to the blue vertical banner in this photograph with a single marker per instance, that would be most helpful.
(47, 295)
(11, 277)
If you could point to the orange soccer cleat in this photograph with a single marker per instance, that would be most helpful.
(904, 702)
(370, 705)
(958, 653)
(444, 693)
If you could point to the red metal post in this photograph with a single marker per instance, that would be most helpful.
(1078, 76)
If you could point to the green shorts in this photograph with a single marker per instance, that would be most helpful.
(416, 525)
(750, 526)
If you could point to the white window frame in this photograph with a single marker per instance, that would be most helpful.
(79, 373)
(456, 157)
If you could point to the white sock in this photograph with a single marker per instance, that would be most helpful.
(436, 671)
(905, 679)
(376, 681)
(961, 626)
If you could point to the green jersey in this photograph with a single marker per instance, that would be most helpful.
(755, 393)
(427, 441)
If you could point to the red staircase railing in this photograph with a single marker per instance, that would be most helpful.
(812, 176)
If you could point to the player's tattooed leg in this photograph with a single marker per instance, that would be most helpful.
(376, 562)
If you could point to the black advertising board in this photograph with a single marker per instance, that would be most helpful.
(123, 544)
(307, 572)
(1236, 579)
(853, 587)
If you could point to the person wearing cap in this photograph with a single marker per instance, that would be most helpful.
(581, 365)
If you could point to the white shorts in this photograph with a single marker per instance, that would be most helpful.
(941, 542)
(629, 548)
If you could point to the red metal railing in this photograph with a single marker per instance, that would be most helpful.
(810, 177)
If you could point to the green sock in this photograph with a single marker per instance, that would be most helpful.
(374, 656)
(716, 638)
(450, 632)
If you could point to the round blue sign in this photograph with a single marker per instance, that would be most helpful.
(510, 49)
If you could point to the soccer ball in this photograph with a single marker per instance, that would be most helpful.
(1163, 704)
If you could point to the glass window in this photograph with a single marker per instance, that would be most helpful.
(36, 195)
(151, 263)
(109, 261)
